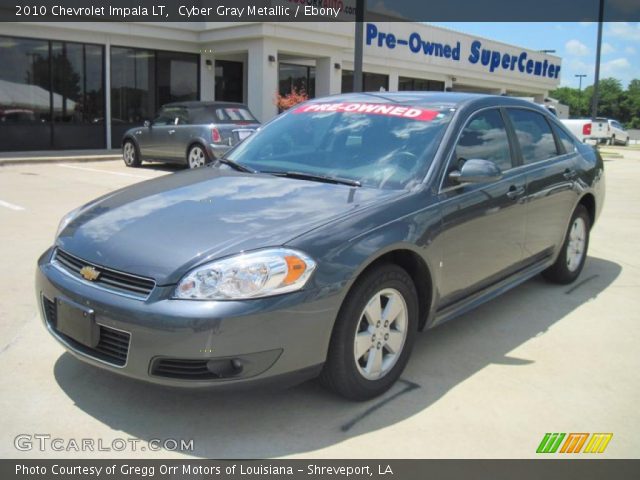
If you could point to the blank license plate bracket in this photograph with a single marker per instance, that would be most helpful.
(77, 322)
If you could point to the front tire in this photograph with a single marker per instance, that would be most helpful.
(197, 157)
(571, 260)
(373, 335)
(130, 154)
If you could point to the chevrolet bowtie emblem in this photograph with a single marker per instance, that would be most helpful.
(89, 273)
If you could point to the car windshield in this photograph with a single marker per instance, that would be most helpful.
(378, 145)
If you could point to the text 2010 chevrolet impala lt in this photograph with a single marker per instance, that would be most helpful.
(323, 243)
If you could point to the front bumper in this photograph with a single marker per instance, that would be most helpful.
(253, 341)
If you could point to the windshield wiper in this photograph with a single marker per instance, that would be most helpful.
(317, 178)
(235, 165)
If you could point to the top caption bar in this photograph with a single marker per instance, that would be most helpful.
(315, 10)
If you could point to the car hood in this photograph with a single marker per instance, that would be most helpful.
(162, 227)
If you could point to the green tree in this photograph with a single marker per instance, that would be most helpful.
(573, 98)
(610, 96)
(631, 104)
(613, 101)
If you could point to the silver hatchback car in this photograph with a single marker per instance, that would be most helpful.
(191, 133)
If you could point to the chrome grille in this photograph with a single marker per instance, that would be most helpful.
(110, 279)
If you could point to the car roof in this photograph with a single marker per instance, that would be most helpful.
(445, 99)
(197, 104)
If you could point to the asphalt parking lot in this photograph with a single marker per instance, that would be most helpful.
(541, 358)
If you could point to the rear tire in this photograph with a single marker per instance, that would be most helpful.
(197, 157)
(571, 260)
(130, 154)
(373, 334)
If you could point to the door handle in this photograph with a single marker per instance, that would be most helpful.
(171, 132)
(570, 174)
(515, 192)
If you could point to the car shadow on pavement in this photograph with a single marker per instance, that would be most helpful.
(264, 423)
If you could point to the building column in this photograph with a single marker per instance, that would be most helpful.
(448, 84)
(262, 79)
(207, 76)
(393, 81)
(328, 78)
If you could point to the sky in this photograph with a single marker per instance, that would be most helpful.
(575, 43)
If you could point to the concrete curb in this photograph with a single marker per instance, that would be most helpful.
(58, 159)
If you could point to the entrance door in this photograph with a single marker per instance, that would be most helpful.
(229, 81)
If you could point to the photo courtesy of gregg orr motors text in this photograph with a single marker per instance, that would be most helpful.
(39, 442)
(230, 469)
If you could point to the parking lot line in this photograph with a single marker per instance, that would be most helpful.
(11, 206)
(103, 171)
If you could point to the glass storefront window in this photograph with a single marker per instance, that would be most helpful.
(177, 77)
(78, 83)
(302, 78)
(419, 84)
(51, 94)
(142, 81)
(25, 80)
(132, 85)
(372, 82)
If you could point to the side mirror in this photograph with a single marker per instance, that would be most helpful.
(147, 123)
(476, 171)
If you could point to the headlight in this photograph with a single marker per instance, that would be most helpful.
(252, 275)
(66, 220)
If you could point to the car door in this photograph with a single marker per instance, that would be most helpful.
(158, 136)
(483, 223)
(179, 136)
(550, 162)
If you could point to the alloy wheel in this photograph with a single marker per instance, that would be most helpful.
(129, 153)
(197, 158)
(380, 334)
(577, 243)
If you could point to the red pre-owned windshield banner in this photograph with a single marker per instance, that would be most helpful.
(412, 113)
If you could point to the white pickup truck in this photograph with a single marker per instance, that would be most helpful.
(617, 134)
(586, 129)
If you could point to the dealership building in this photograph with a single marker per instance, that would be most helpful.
(81, 85)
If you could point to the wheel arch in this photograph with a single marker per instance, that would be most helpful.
(192, 143)
(588, 201)
(415, 266)
(132, 139)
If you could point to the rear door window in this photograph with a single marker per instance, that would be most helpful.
(568, 143)
(534, 135)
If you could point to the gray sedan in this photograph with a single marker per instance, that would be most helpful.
(191, 133)
(324, 243)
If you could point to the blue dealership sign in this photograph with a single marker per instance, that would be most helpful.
(493, 59)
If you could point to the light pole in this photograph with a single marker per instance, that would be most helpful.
(580, 76)
(596, 79)
(358, 53)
